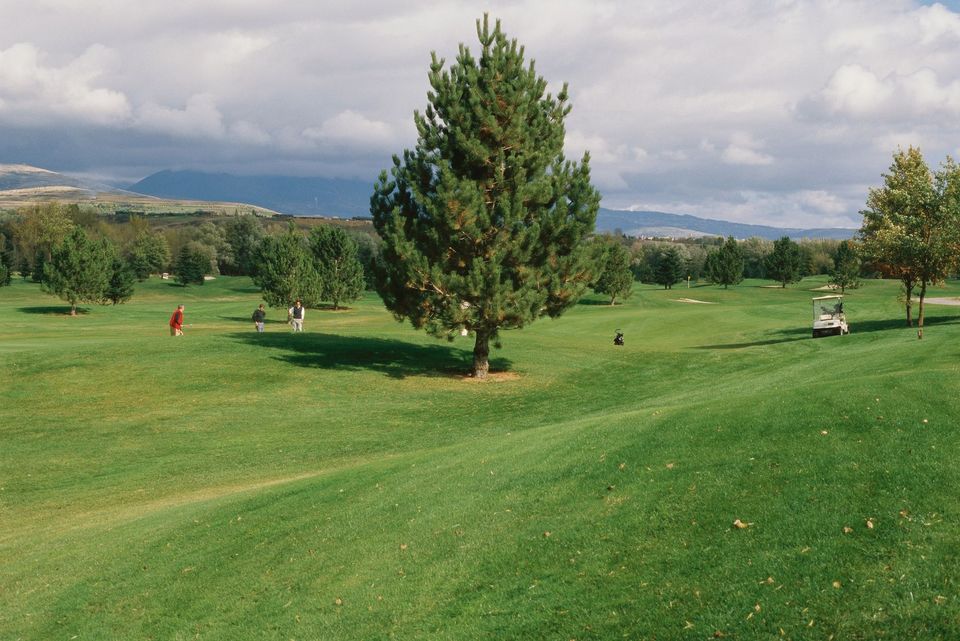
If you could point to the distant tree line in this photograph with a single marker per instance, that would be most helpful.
(86, 258)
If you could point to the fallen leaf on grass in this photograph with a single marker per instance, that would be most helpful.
(718, 635)
(740, 525)
(546, 535)
(403, 546)
(870, 524)
(836, 585)
(338, 601)
(823, 432)
(847, 529)
(669, 466)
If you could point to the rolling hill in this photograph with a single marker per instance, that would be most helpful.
(24, 185)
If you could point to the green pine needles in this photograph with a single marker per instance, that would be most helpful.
(483, 222)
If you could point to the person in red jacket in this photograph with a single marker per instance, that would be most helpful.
(176, 322)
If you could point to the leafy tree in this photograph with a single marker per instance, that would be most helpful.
(725, 265)
(846, 270)
(784, 263)
(243, 234)
(120, 287)
(483, 222)
(149, 254)
(335, 259)
(285, 270)
(669, 269)
(79, 269)
(912, 224)
(6, 261)
(755, 252)
(615, 278)
(39, 228)
(193, 263)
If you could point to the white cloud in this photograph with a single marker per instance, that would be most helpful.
(34, 92)
(200, 117)
(351, 127)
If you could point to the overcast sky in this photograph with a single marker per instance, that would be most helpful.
(769, 111)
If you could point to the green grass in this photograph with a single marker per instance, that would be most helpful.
(347, 483)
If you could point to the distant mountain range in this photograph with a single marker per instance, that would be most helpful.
(185, 191)
(659, 224)
(285, 194)
(349, 198)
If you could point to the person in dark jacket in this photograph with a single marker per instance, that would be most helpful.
(259, 316)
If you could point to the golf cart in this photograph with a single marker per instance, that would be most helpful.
(828, 317)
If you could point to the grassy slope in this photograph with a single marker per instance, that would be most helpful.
(341, 484)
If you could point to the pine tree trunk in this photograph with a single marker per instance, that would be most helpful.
(481, 355)
(923, 292)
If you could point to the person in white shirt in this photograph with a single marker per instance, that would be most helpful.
(295, 315)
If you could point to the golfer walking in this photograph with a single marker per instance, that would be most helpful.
(176, 322)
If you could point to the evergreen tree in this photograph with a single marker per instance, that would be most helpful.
(846, 270)
(79, 269)
(24, 267)
(335, 259)
(122, 278)
(669, 269)
(483, 222)
(725, 265)
(193, 263)
(784, 263)
(285, 270)
(615, 279)
(39, 266)
(149, 254)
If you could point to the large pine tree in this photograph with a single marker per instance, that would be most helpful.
(483, 221)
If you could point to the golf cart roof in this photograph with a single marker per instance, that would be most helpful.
(828, 297)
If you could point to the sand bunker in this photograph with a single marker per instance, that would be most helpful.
(942, 301)
(692, 300)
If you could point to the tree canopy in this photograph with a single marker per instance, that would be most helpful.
(79, 269)
(725, 264)
(912, 224)
(284, 270)
(335, 260)
(615, 278)
(785, 262)
(482, 222)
